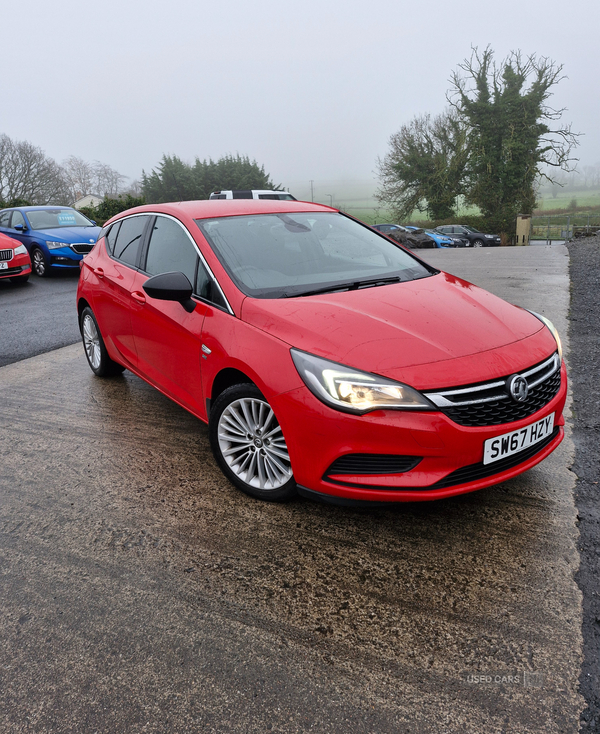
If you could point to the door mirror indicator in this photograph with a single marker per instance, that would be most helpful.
(171, 287)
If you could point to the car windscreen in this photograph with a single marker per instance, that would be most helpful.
(471, 229)
(303, 253)
(53, 218)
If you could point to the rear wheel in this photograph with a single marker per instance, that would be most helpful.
(39, 264)
(95, 350)
(249, 445)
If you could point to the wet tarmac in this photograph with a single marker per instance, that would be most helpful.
(140, 592)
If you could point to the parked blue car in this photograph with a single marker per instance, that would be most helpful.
(57, 237)
(441, 240)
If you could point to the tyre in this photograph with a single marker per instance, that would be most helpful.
(477, 243)
(95, 351)
(39, 264)
(249, 446)
(20, 279)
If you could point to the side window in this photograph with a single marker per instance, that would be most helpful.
(171, 249)
(5, 218)
(111, 237)
(129, 237)
(17, 218)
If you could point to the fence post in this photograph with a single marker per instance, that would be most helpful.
(548, 233)
(568, 228)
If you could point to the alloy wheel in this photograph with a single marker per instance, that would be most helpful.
(91, 341)
(39, 263)
(252, 443)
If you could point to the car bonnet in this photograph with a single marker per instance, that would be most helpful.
(70, 234)
(435, 331)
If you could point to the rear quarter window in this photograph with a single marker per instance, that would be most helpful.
(110, 235)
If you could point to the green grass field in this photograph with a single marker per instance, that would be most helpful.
(357, 197)
(584, 198)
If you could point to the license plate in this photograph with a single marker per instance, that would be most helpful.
(511, 443)
(3, 266)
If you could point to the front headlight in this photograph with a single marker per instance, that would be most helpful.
(51, 245)
(489, 236)
(552, 328)
(20, 250)
(353, 391)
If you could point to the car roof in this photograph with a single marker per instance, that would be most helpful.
(209, 208)
(37, 208)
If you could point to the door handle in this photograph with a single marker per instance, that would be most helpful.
(139, 297)
(99, 272)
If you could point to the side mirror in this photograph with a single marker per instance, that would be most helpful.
(94, 223)
(19, 228)
(171, 287)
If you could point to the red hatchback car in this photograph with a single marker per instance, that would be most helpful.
(325, 358)
(15, 262)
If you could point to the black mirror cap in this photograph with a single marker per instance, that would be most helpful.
(171, 287)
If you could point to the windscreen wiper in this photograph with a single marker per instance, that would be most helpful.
(353, 286)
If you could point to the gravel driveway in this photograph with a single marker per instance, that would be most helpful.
(585, 383)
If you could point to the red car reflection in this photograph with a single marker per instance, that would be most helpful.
(326, 359)
(15, 262)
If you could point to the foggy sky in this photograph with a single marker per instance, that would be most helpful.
(311, 89)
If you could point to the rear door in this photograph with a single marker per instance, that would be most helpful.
(115, 275)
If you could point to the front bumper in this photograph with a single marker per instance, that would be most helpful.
(64, 257)
(450, 455)
(19, 265)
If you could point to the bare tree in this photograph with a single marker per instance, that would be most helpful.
(109, 182)
(26, 172)
(85, 178)
(79, 176)
(134, 189)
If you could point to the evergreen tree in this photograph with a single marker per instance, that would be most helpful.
(424, 168)
(174, 180)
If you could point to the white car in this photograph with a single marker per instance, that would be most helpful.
(253, 194)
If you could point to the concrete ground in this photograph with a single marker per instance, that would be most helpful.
(140, 592)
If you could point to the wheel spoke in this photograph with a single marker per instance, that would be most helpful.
(236, 423)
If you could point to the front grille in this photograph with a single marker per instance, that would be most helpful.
(373, 464)
(6, 255)
(82, 248)
(489, 404)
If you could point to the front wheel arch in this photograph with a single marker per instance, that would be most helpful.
(248, 444)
